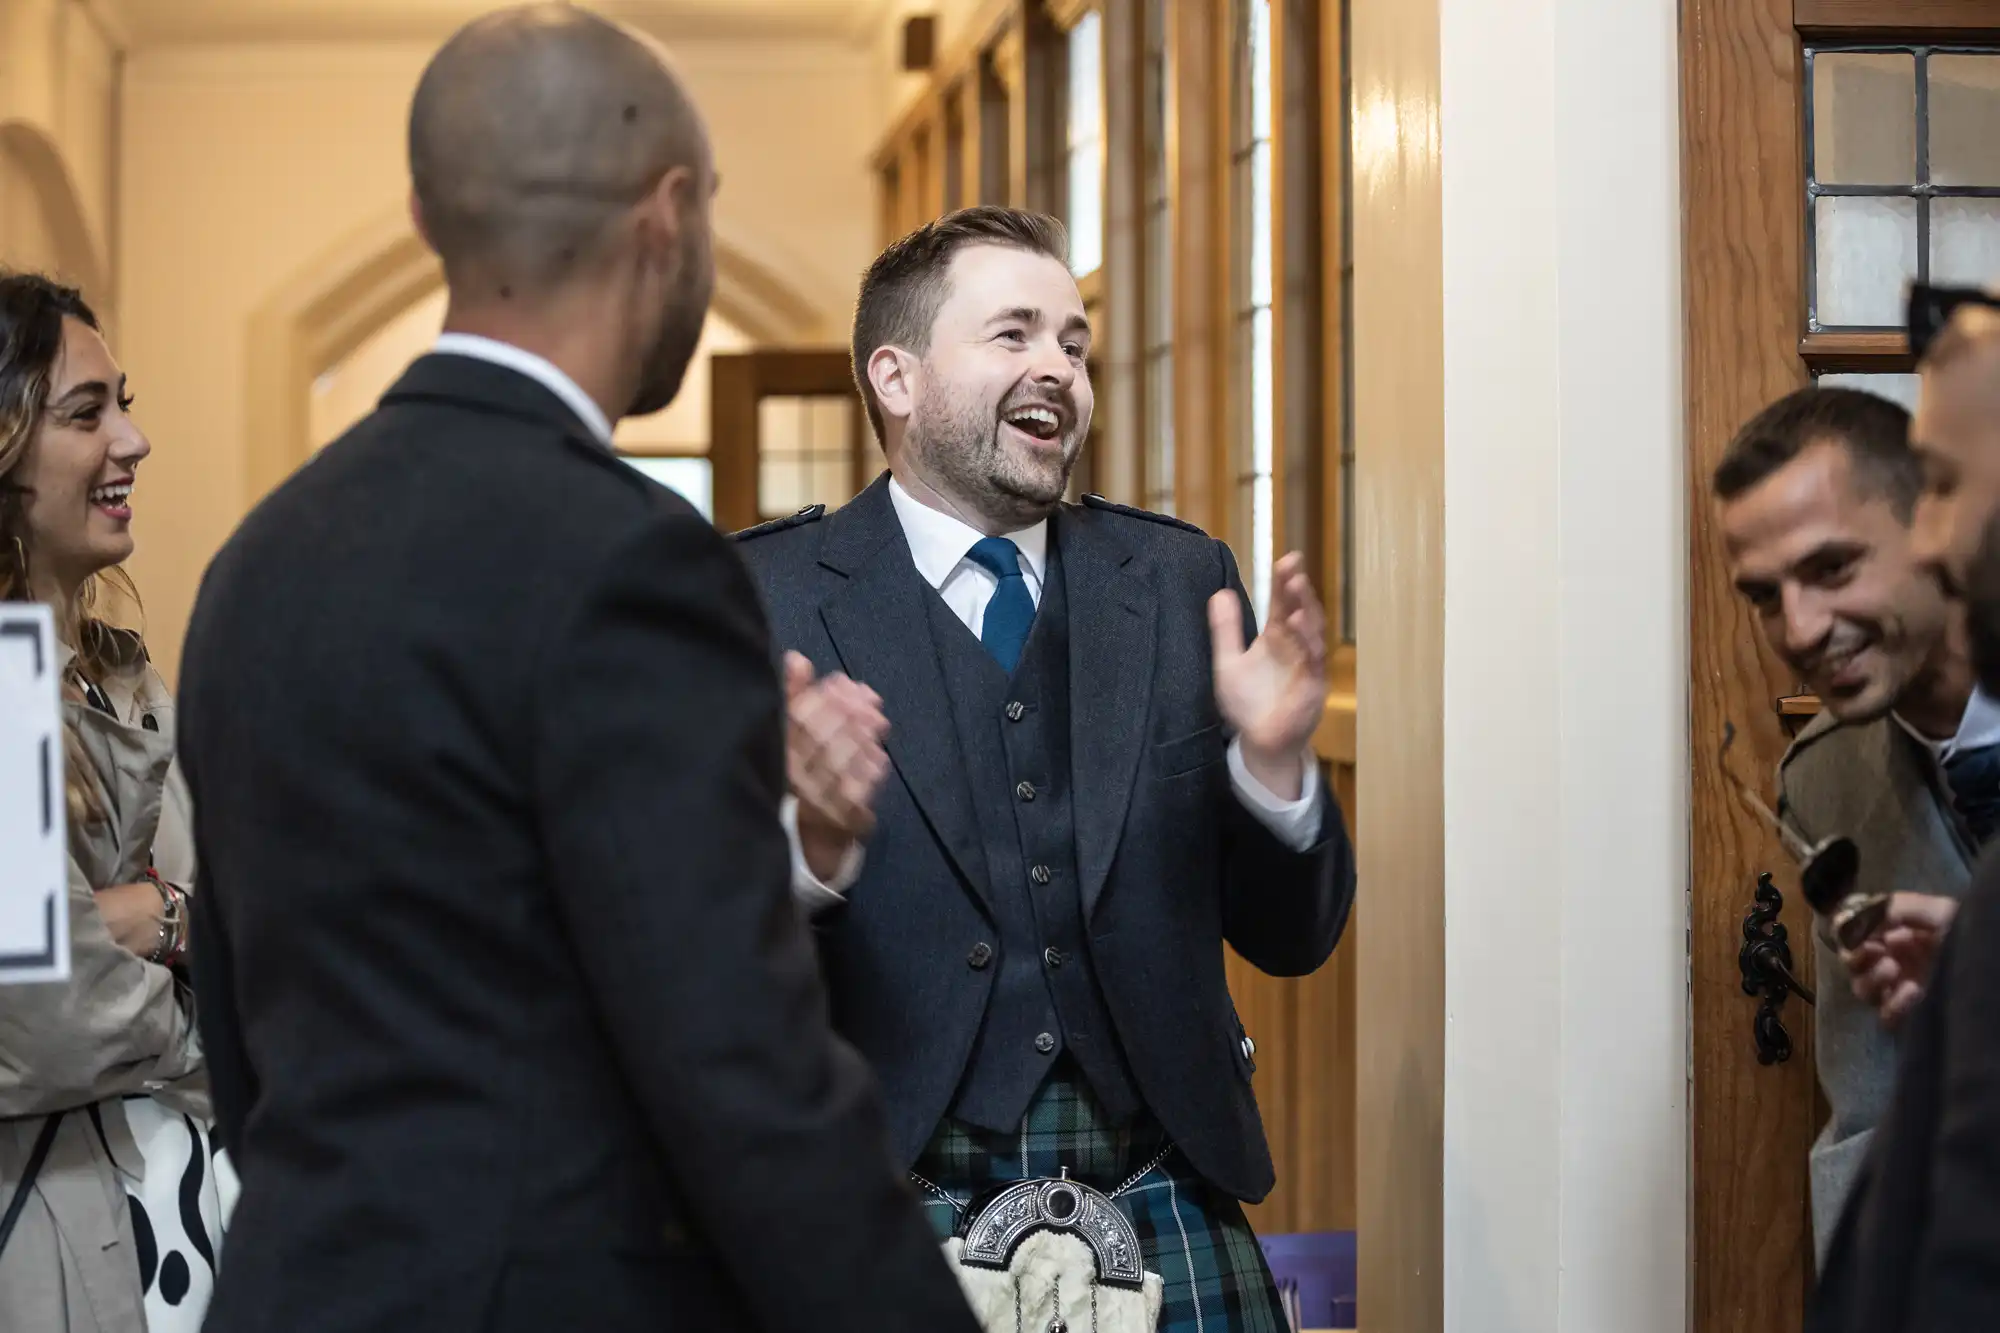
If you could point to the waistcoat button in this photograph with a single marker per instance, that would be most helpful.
(1040, 874)
(1045, 1043)
(1015, 711)
(1052, 956)
(1026, 791)
(981, 955)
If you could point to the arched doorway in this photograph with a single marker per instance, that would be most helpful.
(42, 222)
(671, 446)
(324, 346)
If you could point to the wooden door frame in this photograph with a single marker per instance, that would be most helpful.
(1743, 189)
(1751, 1125)
(738, 382)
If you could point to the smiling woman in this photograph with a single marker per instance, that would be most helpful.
(116, 1042)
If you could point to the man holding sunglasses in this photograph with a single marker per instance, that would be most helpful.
(1918, 1248)
(1815, 498)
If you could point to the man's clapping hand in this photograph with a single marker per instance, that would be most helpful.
(1891, 969)
(834, 761)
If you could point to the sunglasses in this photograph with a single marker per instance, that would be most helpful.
(1828, 869)
(1931, 308)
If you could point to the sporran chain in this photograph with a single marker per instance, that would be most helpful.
(1122, 1190)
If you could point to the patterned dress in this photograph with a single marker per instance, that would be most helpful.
(179, 1207)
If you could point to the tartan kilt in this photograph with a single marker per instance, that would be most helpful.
(1193, 1235)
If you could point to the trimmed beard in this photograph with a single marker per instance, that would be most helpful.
(674, 345)
(957, 440)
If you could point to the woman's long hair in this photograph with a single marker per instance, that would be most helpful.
(32, 311)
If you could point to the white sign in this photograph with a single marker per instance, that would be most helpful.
(34, 847)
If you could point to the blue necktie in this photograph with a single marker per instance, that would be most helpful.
(1012, 611)
(1974, 778)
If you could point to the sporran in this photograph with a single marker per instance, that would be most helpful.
(1053, 1256)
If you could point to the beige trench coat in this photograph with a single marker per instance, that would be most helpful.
(119, 1025)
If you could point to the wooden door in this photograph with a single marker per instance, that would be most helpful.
(786, 429)
(1778, 292)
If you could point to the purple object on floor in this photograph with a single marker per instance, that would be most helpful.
(1320, 1265)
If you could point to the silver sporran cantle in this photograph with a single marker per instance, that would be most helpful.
(1054, 1256)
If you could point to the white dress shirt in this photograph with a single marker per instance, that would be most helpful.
(1978, 727)
(939, 544)
(539, 369)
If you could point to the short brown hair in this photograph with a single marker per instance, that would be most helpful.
(905, 286)
(1874, 431)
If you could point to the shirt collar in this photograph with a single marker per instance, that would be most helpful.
(1978, 727)
(939, 541)
(539, 369)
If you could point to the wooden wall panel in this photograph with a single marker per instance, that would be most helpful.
(1325, 1148)
(1304, 1029)
(1741, 178)
(1118, 324)
(1938, 19)
(1399, 733)
(732, 433)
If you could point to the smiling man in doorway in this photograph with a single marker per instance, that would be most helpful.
(1816, 496)
(1093, 775)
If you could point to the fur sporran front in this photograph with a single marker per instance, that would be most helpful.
(1054, 1256)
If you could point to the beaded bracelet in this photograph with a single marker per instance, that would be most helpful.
(172, 944)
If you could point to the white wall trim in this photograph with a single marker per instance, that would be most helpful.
(1565, 678)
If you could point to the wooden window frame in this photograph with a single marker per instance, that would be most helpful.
(1147, 351)
(1238, 375)
(1921, 22)
(958, 131)
(739, 382)
(1063, 17)
(1308, 503)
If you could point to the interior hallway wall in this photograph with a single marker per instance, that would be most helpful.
(59, 71)
(244, 165)
(895, 90)
(1522, 723)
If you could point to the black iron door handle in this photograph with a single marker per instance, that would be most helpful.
(1765, 961)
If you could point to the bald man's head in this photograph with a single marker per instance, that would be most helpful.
(564, 177)
(533, 131)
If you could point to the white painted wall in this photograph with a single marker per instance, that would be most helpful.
(1565, 1138)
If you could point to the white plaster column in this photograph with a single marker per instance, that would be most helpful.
(1523, 1040)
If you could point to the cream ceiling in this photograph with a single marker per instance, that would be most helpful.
(153, 22)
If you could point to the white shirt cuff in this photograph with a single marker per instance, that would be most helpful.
(1294, 823)
(811, 892)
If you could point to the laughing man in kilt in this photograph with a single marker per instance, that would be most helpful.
(1043, 768)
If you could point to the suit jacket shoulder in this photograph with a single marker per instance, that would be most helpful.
(806, 514)
(1182, 554)
(1828, 765)
(1873, 782)
(1095, 501)
(784, 549)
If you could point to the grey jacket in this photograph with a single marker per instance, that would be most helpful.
(1874, 783)
(118, 1025)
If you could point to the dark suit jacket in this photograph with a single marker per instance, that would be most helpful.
(1170, 862)
(1918, 1249)
(511, 1019)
